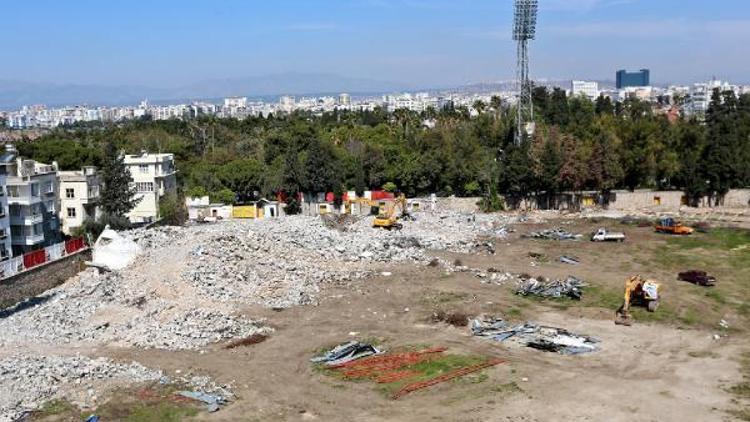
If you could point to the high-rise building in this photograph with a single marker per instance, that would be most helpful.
(587, 88)
(345, 99)
(627, 79)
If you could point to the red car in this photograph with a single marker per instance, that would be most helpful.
(700, 278)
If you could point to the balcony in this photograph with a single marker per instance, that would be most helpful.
(24, 200)
(29, 240)
(26, 220)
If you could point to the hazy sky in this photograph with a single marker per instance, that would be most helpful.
(165, 43)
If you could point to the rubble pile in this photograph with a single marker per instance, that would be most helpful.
(554, 234)
(530, 334)
(114, 308)
(191, 330)
(284, 262)
(26, 382)
(543, 287)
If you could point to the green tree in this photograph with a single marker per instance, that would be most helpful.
(118, 195)
(223, 196)
(604, 106)
(172, 210)
(605, 171)
(321, 173)
(548, 168)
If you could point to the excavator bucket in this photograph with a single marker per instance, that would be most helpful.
(623, 318)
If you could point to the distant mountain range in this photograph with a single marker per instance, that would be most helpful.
(14, 94)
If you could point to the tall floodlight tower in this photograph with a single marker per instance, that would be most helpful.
(524, 29)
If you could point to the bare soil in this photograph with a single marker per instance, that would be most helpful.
(667, 367)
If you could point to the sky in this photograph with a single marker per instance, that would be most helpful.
(427, 43)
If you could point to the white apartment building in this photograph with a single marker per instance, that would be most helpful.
(701, 93)
(588, 88)
(235, 102)
(6, 249)
(32, 193)
(79, 194)
(154, 176)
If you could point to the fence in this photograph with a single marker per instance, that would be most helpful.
(33, 259)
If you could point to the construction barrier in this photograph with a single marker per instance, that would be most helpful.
(33, 259)
(55, 252)
(11, 267)
(74, 245)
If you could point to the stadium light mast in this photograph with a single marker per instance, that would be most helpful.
(524, 29)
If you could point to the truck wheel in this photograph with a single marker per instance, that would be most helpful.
(652, 305)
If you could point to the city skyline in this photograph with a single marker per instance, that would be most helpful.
(403, 44)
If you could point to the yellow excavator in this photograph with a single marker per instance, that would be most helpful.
(388, 217)
(638, 291)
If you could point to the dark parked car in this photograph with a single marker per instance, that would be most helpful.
(700, 278)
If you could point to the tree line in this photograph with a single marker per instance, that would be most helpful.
(578, 145)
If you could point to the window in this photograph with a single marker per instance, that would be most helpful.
(51, 206)
(38, 229)
(34, 189)
(70, 193)
(144, 186)
(71, 213)
(48, 188)
(143, 168)
(15, 210)
(13, 191)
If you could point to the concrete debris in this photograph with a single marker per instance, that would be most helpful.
(183, 289)
(553, 234)
(572, 260)
(27, 382)
(529, 334)
(346, 352)
(543, 287)
(101, 308)
(495, 277)
(281, 263)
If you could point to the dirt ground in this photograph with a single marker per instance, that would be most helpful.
(666, 367)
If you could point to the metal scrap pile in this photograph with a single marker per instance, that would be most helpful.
(554, 234)
(395, 367)
(548, 339)
(570, 287)
(346, 352)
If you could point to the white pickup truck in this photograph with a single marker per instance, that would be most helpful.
(602, 235)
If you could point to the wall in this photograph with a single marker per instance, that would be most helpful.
(80, 191)
(39, 279)
(737, 198)
(621, 200)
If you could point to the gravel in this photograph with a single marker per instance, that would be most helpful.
(111, 308)
(27, 382)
